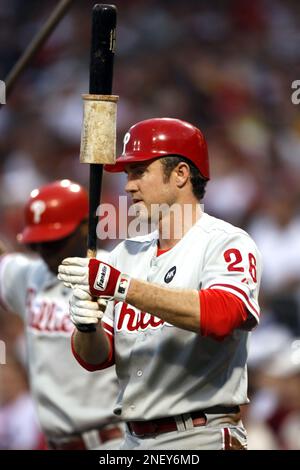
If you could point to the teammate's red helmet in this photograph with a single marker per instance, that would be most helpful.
(54, 211)
(159, 137)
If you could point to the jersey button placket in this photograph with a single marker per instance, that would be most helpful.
(153, 269)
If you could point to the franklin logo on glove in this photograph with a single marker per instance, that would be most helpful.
(102, 277)
(97, 278)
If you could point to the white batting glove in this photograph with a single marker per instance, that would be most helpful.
(74, 272)
(95, 277)
(85, 311)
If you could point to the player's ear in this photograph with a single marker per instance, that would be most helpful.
(182, 174)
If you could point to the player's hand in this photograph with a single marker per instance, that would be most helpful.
(95, 277)
(73, 272)
(85, 311)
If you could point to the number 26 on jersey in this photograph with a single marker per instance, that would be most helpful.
(234, 259)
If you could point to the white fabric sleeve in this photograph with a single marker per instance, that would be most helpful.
(14, 269)
(233, 264)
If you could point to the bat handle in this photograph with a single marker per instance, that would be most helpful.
(91, 253)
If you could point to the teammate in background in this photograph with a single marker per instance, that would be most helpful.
(19, 428)
(182, 365)
(75, 408)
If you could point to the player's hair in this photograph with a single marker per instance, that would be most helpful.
(198, 182)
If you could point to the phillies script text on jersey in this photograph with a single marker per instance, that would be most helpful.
(129, 318)
(45, 315)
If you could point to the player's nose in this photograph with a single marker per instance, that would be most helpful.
(130, 186)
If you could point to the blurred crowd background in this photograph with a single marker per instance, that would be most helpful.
(227, 67)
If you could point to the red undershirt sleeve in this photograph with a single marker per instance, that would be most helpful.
(221, 313)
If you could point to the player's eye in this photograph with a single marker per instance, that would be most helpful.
(136, 172)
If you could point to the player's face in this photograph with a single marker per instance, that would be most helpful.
(148, 188)
(54, 252)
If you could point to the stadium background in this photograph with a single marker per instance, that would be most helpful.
(226, 66)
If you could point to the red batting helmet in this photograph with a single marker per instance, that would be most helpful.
(54, 211)
(159, 137)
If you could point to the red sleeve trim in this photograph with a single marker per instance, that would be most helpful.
(93, 367)
(108, 328)
(240, 292)
(220, 313)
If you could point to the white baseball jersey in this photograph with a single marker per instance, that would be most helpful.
(69, 399)
(164, 370)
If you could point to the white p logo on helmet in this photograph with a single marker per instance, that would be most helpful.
(125, 141)
(38, 207)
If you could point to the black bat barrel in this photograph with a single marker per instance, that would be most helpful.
(104, 20)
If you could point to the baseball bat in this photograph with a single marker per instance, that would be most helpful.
(104, 19)
(57, 14)
(97, 127)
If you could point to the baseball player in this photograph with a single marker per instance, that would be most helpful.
(75, 408)
(182, 307)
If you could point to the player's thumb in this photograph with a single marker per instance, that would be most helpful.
(81, 294)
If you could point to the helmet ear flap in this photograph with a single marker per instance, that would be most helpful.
(160, 137)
